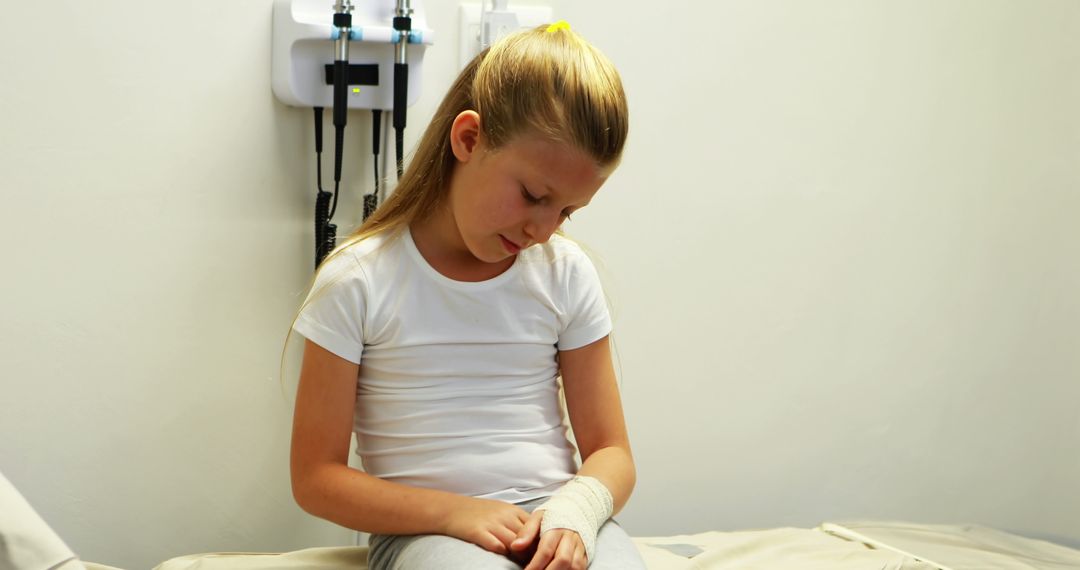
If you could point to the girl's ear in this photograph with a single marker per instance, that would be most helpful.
(465, 135)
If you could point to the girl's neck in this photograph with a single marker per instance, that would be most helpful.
(440, 243)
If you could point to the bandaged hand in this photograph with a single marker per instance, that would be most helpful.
(583, 505)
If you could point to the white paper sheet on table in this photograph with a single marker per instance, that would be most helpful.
(959, 547)
(831, 546)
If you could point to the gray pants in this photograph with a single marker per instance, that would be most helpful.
(614, 551)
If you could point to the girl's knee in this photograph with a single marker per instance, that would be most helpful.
(615, 550)
(432, 552)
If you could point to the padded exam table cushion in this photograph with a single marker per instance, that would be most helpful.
(831, 546)
(793, 548)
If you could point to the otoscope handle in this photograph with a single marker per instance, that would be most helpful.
(342, 21)
(403, 25)
(376, 129)
(341, 92)
(401, 94)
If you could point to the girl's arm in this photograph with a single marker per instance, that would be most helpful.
(595, 408)
(325, 486)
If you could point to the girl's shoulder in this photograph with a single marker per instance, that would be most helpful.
(559, 255)
(374, 244)
(559, 250)
(371, 247)
(359, 258)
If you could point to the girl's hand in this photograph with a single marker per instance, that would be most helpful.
(558, 548)
(491, 525)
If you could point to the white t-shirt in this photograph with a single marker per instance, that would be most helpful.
(457, 388)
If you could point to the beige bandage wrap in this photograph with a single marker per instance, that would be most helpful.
(583, 505)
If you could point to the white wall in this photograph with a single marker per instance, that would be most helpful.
(843, 247)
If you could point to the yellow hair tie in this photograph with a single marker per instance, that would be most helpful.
(560, 25)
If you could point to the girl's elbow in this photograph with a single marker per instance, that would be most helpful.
(631, 473)
(304, 490)
(300, 494)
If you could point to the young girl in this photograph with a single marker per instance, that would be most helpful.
(438, 333)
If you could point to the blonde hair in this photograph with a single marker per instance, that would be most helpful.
(551, 83)
(547, 81)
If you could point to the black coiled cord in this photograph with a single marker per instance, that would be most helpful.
(325, 232)
(371, 201)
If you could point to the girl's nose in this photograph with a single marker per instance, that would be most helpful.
(541, 225)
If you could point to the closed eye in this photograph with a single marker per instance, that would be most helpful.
(529, 197)
(536, 200)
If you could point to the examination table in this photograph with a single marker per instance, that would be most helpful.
(865, 545)
(27, 542)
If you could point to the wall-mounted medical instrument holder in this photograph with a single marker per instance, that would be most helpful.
(303, 53)
(345, 56)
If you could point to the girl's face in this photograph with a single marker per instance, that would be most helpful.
(505, 200)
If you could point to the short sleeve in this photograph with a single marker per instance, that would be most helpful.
(332, 316)
(589, 318)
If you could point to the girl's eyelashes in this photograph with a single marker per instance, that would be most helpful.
(529, 197)
(535, 200)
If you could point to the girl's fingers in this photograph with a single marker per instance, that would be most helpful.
(581, 562)
(564, 554)
(505, 537)
(492, 543)
(545, 552)
(527, 534)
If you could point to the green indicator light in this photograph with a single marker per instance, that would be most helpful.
(356, 90)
